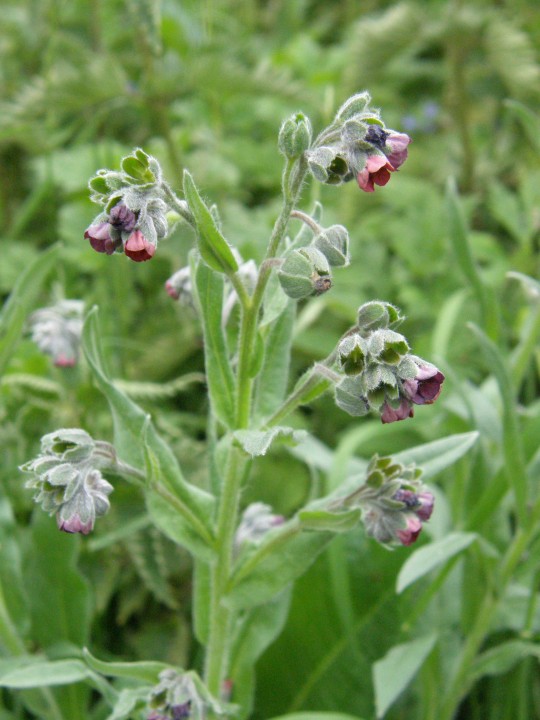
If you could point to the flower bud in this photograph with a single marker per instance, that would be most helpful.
(352, 352)
(333, 242)
(122, 217)
(295, 136)
(425, 388)
(388, 346)
(182, 695)
(328, 165)
(305, 272)
(354, 106)
(179, 286)
(103, 237)
(377, 314)
(257, 520)
(57, 330)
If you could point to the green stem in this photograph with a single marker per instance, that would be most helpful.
(217, 651)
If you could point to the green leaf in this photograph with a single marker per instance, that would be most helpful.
(20, 301)
(280, 558)
(14, 611)
(186, 507)
(219, 374)
(213, 247)
(335, 522)
(501, 659)
(255, 631)
(317, 716)
(459, 237)
(146, 672)
(128, 701)
(433, 457)
(528, 119)
(41, 674)
(394, 672)
(428, 557)
(60, 600)
(257, 442)
(274, 375)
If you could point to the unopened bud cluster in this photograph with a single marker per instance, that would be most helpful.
(181, 695)
(136, 209)
(306, 270)
(357, 145)
(381, 373)
(394, 502)
(67, 478)
(56, 330)
(257, 519)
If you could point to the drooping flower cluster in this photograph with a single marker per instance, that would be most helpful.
(136, 208)
(381, 373)
(358, 145)
(67, 478)
(257, 519)
(56, 330)
(394, 502)
(182, 695)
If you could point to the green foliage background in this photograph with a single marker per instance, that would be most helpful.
(205, 85)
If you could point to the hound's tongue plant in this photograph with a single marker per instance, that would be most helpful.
(245, 557)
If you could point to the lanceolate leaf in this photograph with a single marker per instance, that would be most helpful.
(218, 370)
(274, 375)
(19, 303)
(137, 441)
(433, 457)
(143, 671)
(431, 556)
(394, 672)
(257, 442)
(213, 247)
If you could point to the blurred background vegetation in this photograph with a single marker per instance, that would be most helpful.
(205, 85)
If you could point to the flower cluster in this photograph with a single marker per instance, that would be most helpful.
(56, 330)
(381, 373)
(181, 695)
(257, 519)
(357, 145)
(67, 478)
(136, 208)
(394, 502)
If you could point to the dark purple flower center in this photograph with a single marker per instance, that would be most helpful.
(376, 136)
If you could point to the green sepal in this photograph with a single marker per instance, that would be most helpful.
(138, 170)
(214, 249)
(99, 185)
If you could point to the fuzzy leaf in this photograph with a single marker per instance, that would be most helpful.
(394, 672)
(136, 441)
(430, 556)
(257, 442)
(433, 457)
(146, 672)
(213, 247)
(274, 375)
(317, 716)
(41, 674)
(335, 522)
(501, 659)
(19, 303)
(219, 374)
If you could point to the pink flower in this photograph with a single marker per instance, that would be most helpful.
(390, 414)
(425, 388)
(425, 509)
(100, 238)
(411, 532)
(397, 143)
(74, 524)
(138, 248)
(64, 361)
(376, 172)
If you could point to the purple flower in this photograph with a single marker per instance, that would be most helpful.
(390, 414)
(425, 388)
(100, 238)
(74, 524)
(138, 248)
(123, 218)
(396, 149)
